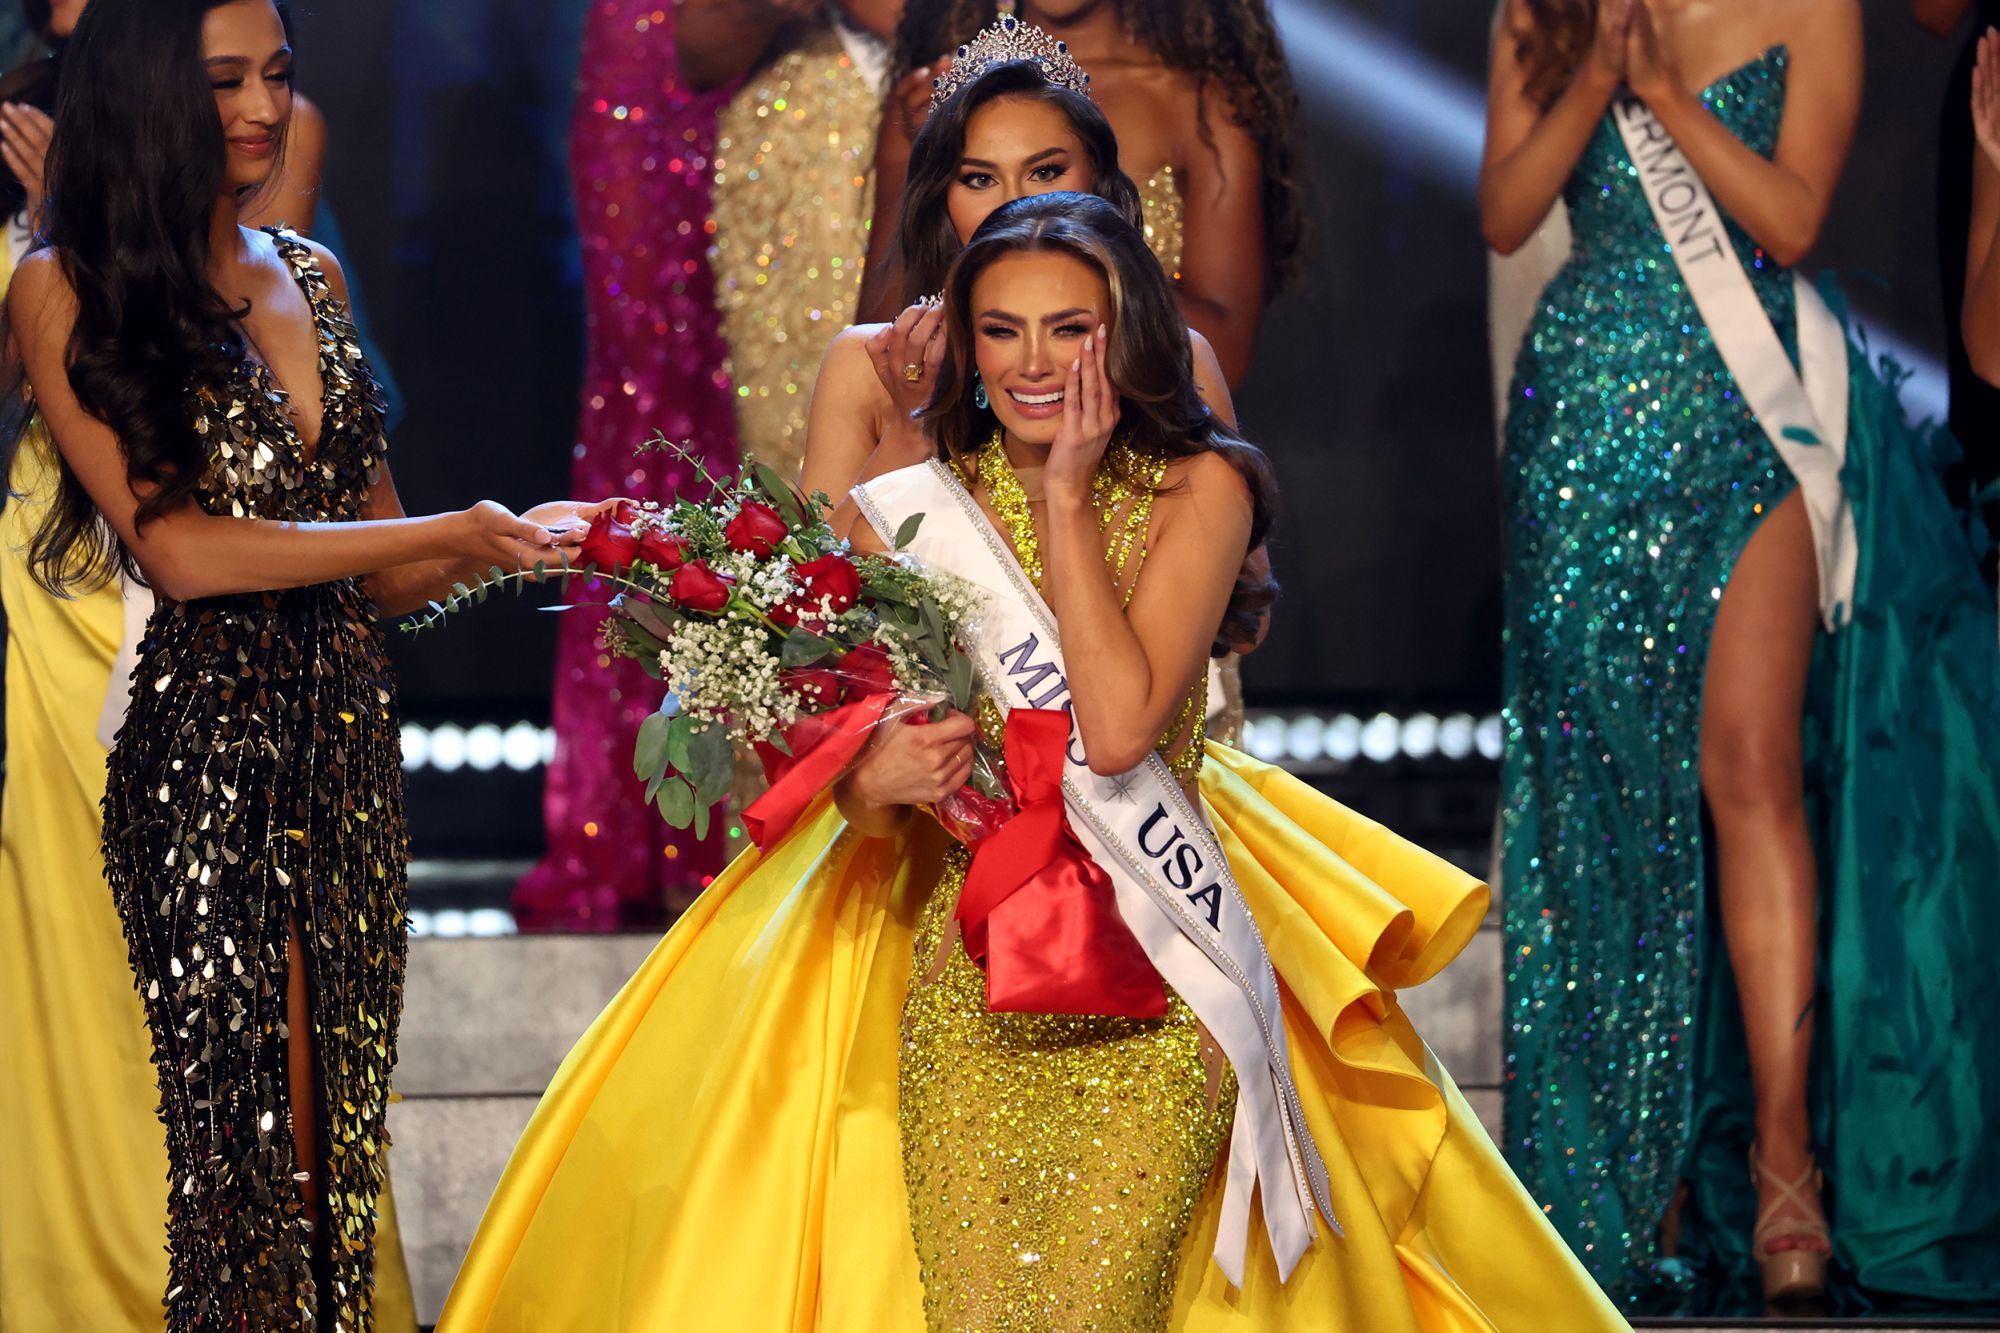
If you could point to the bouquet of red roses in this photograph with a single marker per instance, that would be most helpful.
(774, 637)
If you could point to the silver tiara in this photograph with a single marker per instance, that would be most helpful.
(1010, 39)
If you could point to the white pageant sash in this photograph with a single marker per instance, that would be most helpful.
(138, 600)
(1804, 412)
(1172, 880)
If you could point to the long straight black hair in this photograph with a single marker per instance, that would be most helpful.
(1149, 363)
(134, 171)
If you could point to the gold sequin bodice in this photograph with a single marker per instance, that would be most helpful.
(1126, 484)
(794, 163)
(1164, 213)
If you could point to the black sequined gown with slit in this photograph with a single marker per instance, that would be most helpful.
(255, 798)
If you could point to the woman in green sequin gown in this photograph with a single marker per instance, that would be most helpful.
(1635, 480)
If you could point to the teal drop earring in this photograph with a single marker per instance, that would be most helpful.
(979, 398)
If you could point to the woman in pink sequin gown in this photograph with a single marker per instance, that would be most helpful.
(640, 147)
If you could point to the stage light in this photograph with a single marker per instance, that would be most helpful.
(1455, 738)
(1381, 738)
(1489, 737)
(447, 748)
(1343, 739)
(416, 747)
(1305, 740)
(1420, 736)
(1264, 738)
(483, 747)
(521, 747)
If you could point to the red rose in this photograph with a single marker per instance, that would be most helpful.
(662, 550)
(609, 546)
(698, 588)
(756, 529)
(832, 578)
(867, 671)
(818, 687)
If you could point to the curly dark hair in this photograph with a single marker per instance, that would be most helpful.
(1232, 43)
(1149, 363)
(1552, 43)
(133, 178)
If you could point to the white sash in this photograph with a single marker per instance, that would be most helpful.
(1806, 419)
(138, 600)
(1172, 881)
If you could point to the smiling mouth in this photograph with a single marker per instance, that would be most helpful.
(1036, 399)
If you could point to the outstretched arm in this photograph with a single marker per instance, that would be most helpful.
(186, 553)
(1781, 200)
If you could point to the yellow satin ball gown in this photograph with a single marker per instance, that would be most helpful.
(728, 1146)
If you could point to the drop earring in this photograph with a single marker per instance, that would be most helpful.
(979, 398)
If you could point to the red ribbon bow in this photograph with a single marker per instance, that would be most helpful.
(1037, 912)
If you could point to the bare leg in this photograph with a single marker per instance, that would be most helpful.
(1752, 771)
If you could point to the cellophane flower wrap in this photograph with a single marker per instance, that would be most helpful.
(775, 637)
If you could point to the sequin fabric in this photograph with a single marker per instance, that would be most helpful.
(794, 189)
(1633, 476)
(1053, 1161)
(1163, 213)
(641, 141)
(256, 786)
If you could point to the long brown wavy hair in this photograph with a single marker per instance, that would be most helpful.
(1230, 43)
(1149, 364)
(1552, 44)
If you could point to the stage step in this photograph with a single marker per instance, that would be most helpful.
(487, 1021)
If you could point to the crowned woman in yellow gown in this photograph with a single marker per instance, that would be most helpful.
(810, 1110)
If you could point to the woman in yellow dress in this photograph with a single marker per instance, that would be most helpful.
(82, 1232)
(1013, 116)
(722, 1148)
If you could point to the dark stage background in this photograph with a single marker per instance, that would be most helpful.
(447, 173)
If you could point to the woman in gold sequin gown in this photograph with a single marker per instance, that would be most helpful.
(82, 1234)
(719, 1149)
(253, 835)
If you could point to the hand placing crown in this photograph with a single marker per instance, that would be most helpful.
(1007, 40)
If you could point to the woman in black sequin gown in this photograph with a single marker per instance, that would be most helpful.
(254, 833)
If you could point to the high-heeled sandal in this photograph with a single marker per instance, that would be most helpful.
(1796, 1274)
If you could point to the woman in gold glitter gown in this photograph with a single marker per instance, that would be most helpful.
(1020, 108)
(253, 835)
(718, 1150)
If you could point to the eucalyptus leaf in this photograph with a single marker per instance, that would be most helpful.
(701, 814)
(908, 532)
(676, 802)
(802, 647)
(649, 755)
(649, 617)
(460, 593)
(959, 680)
(711, 763)
(679, 732)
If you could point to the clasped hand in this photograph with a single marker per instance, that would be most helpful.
(1627, 48)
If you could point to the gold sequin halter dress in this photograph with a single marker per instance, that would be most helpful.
(1053, 1161)
(256, 786)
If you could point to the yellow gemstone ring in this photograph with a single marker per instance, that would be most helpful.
(913, 371)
